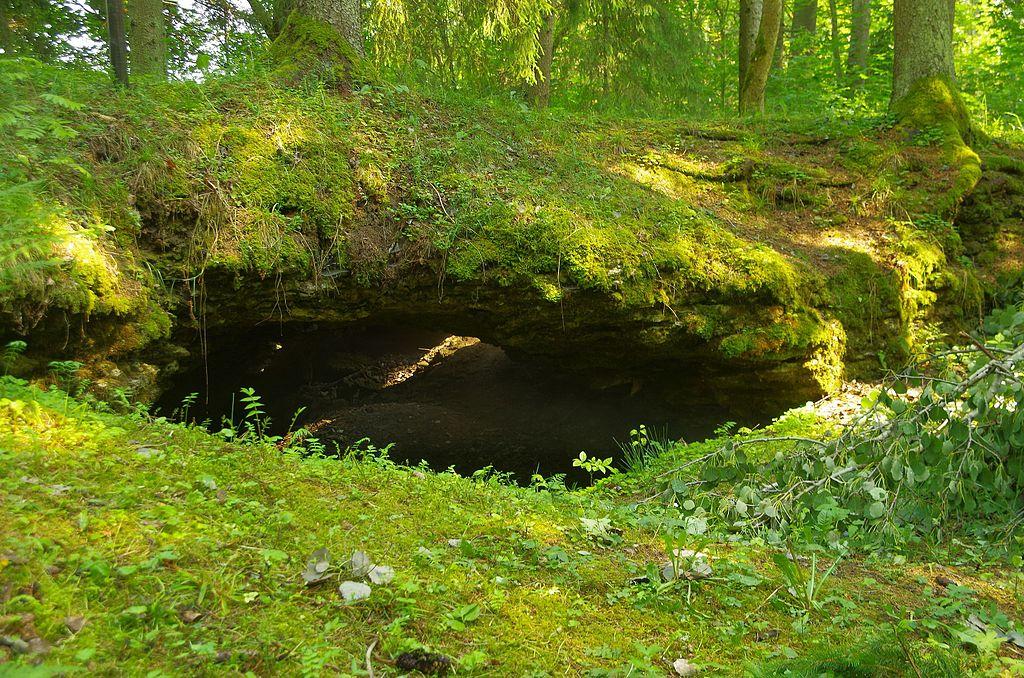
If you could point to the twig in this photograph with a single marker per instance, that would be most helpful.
(687, 464)
(780, 439)
(818, 483)
(369, 662)
(981, 346)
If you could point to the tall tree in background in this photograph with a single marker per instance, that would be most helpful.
(753, 85)
(779, 60)
(116, 41)
(805, 25)
(147, 39)
(834, 41)
(539, 92)
(859, 56)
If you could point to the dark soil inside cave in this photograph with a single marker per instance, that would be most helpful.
(448, 400)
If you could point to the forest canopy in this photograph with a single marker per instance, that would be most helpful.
(669, 56)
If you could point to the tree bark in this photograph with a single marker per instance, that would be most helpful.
(779, 59)
(116, 42)
(146, 39)
(922, 43)
(344, 16)
(750, 24)
(805, 25)
(752, 89)
(539, 92)
(859, 56)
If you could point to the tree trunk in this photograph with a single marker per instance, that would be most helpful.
(837, 51)
(779, 60)
(116, 40)
(805, 25)
(539, 92)
(922, 44)
(605, 50)
(859, 57)
(724, 11)
(750, 23)
(924, 94)
(146, 40)
(344, 16)
(752, 89)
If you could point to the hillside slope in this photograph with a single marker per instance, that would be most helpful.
(788, 252)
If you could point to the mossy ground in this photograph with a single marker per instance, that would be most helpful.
(183, 553)
(760, 240)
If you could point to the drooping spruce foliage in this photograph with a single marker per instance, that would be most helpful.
(675, 56)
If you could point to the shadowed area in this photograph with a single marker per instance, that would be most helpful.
(446, 399)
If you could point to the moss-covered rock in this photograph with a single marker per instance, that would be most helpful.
(617, 246)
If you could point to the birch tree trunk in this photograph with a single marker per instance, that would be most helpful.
(750, 24)
(752, 89)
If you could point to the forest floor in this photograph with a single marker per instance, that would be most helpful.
(133, 546)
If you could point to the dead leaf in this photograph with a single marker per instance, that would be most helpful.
(382, 574)
(74, 623)
(353, 591)
(360, 564)
(318, 567)
(683, 667)
(189, 615)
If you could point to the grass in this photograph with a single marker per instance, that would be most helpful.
(184, 554)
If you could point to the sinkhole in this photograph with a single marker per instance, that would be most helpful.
(453, 401)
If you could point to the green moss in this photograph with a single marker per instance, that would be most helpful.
(865, 296)
(935, 104)
(308, 49)
(265, 179)
(186, 554)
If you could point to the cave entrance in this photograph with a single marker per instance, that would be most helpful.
(448, 399)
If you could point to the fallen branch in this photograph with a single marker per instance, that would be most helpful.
(741, 173)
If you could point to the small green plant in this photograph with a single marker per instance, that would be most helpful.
(460, 617)
(803, 584)
(644, 445)
(63, 372)
(186, 404)
(594, 465)
(12, 351)
(254, 416)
